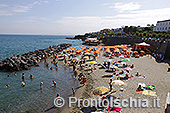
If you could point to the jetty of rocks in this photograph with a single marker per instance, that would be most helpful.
(27, 60)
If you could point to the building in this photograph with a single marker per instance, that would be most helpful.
(162, 26)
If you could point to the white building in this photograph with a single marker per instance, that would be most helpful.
(162, 26)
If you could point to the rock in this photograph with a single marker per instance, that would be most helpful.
(25, 61)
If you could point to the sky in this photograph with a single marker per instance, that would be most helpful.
(72, 17)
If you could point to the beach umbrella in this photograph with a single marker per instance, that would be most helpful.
(128, 69)
(142, 51)
(93, 62)
(117, 63)
(86, 53)
(123, 63)
(118, 83)
(135, 52)
(76, 59)
(100, 90)
(92, 55)
(85, 57)
(115, 67)
(121, 57)
(143, 44)
(107, 60)
(126, 59)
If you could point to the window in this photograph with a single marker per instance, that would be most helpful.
(157, 28)
(160, 28)
(165, 28)
(169, 27)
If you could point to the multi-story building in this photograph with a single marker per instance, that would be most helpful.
(162, 26)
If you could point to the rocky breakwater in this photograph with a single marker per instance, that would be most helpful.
(25, 61)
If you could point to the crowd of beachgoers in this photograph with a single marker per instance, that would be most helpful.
(111, 62)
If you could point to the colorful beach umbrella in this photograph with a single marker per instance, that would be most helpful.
(100, 90)
(92, 55)
(85, 57)
(126, 59)
(93, 62)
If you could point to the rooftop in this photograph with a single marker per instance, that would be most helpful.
(163, 21)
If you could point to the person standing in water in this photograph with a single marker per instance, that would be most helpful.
(23, 76)
(73, 91)
(31, 76)
(23, 84)
(41, 85)
(7, 86)
(54, 82)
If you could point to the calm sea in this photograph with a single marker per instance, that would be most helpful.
(31, 99)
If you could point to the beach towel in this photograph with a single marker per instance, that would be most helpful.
(147, 92)
(151, 87)
(150, 93)
(116, 110)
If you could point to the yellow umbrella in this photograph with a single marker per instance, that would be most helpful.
(93, 62)
(85, 57)
(100, 90)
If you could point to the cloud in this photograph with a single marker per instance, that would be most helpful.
(3, 5)
(92, 23)
(122, 7)
(4, 13)
(105, 4)
(27, 8)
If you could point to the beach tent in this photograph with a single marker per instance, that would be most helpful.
(143, 44)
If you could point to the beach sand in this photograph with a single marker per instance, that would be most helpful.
(156, 74)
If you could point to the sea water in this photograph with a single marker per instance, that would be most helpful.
(31, 98)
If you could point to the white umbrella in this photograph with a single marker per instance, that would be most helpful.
(86, 53)
(128, 69)
(118, 83)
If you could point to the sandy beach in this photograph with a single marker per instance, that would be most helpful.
(156, 74)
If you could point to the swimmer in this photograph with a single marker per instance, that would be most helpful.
(73, 91)
(14, 73)
(41, 85)
(23, 84)
(31, 76)
(47, 64)
(51, 68)
(8, 76)
(7, 86)
(54, 82)
(58, 95)
(23, 76)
